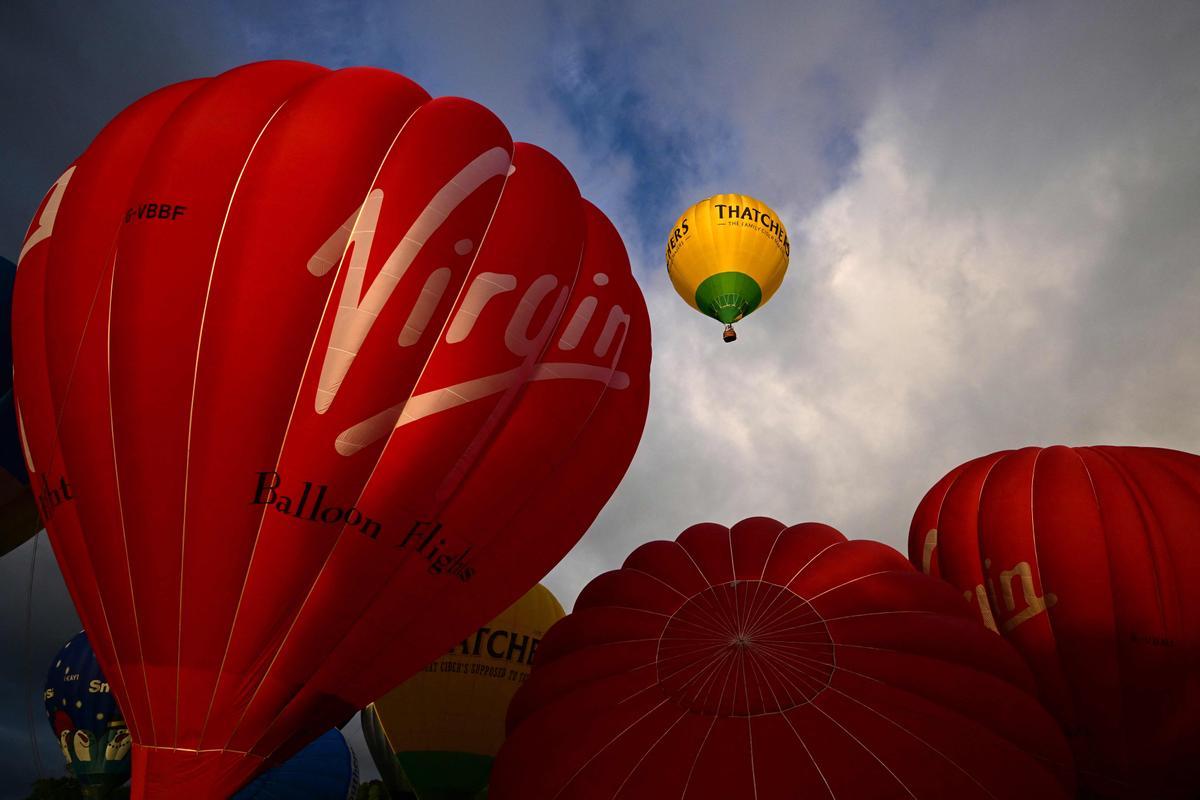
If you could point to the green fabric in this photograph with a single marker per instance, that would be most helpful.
(436, 775)
(728, 296)
(104, 771)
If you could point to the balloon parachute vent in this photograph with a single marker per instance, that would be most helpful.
(730, 335)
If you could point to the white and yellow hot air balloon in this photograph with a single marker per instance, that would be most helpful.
(435, 735)
(726, 257)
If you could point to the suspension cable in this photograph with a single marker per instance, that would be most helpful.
(29, 685)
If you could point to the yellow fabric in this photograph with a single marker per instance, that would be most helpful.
(458, 703)
(711, 237)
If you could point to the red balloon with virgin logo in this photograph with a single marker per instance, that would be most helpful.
(315, 374)
(776, 662)
(1086, 558)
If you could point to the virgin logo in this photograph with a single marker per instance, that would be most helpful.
(48, 213)
(359, 306)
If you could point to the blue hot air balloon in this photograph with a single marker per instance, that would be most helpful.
(325, 770)
(85, 718)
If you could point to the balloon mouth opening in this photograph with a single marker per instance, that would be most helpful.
(728, 296)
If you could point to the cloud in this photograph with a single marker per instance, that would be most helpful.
(68, 68)
(1008, 259)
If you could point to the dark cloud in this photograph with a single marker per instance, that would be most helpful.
(37, 621)
(67, 68)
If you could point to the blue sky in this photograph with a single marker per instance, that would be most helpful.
(624, 84)
(992, 207)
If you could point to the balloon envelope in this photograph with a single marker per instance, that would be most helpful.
(324, 770)
(727, 255)
(88, 724)
(18, 507)
(772, 661)
(1085, 558)
(445, 724)
(329, 373)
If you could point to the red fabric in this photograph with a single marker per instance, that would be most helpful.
(1085, 559)
(283, 286)
(765, 661)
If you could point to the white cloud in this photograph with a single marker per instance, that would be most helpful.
(1011, 259)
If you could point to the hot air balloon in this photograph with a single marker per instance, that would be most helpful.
(726, 257)
(86, 720)
(330, 373)
(770, 661)
(18, 507)
(1085, 559)
(324, 770)
(445, 724)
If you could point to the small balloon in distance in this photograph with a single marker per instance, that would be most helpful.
(86, 720)
(726, 256)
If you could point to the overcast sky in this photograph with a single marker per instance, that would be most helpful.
(993, 209)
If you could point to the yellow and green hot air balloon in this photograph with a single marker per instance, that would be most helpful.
(445, 724)
(726, 257)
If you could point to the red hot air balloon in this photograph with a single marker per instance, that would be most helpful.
(766, 661)
(1085, 558)
(315, 375)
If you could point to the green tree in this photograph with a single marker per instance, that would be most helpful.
(372, 790)
(55, 789)
(69, 789)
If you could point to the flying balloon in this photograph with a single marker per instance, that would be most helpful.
(18, 508)
(726, 257)
(770, 661)
(445, 724)
(86, 720)
(324, 770)
(1085, 558)
(329, 372)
